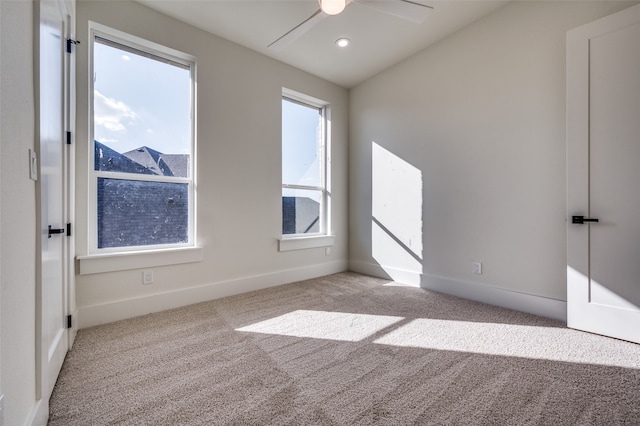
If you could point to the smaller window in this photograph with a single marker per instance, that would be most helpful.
(305, 198)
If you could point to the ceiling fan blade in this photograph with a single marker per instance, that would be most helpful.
(296, 32)
(405, 9)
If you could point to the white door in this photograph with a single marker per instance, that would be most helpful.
(52, 287)
(603, 152)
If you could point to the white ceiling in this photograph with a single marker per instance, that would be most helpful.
(378, 40)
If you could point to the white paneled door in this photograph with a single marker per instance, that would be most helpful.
(52, 290)
(603, 137)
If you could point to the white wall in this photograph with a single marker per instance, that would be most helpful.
(1, 126)
(239, 177)
(17, 191)
(474, 124)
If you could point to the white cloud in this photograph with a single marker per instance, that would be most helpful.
(106, 140)
(111, 113)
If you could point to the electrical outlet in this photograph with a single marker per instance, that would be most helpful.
(476, 267)
(147, 277)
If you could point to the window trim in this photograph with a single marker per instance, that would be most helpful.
(111, 262)
(128, 42)
(324, 237)
(307, 242)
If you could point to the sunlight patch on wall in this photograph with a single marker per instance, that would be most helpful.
(601, 295)
(396, 226)
(523, 341)
(324, 325)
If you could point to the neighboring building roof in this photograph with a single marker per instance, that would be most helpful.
(177, 163)
(300, 215)
(143, 160)
(141, 213)
(109, 160)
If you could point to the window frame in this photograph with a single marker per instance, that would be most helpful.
(172, 57)
(323, 237)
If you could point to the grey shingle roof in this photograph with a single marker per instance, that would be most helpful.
(109, 160)
(159, 163)
(143, 160)
(177, 163)
(300, 215)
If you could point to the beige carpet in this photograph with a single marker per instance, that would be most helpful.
(345, 350)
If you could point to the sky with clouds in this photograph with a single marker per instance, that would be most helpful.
(140, 101)
(300, 151)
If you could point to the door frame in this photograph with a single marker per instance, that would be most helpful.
(70, 171)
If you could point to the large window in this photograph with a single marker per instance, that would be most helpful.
(142, 185)
(304, 167)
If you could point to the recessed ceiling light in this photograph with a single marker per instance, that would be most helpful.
(343, 42)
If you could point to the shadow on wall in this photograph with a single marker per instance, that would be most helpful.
(396, 223)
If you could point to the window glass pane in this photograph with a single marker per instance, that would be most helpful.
(140, 213)
(301, 211)
(142, 113)
(301, 148)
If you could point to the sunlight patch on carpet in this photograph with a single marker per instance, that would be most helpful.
(341, 326)
(512, 340)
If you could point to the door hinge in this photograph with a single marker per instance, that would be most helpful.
(69, 321)
(70, 43)
(68, 229)
(68, 138)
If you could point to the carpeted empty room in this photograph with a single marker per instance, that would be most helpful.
(345, 349)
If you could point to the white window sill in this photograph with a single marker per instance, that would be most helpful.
(110, 262)
(301, 243)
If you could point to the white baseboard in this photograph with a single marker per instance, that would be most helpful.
(537, 305)
(104, 313)
(39, 414)
(411, 278)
